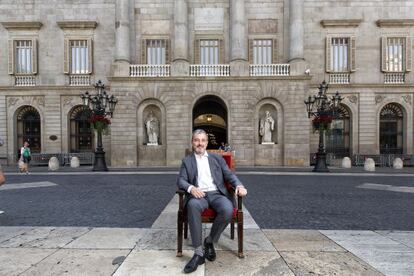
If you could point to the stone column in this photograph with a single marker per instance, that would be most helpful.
(296, 53)
(239, 65)
(122, 39)
(180, 64)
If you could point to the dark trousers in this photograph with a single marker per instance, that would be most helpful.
(195, 206)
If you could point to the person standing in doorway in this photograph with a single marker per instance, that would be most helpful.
(25, 157)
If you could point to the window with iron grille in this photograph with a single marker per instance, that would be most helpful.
(24, 57)
(209, 51)
(394, 54)
(262, 51)
(340, 54)
(156, 51)
(79, 57)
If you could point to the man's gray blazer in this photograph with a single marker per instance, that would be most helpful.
(220, 172)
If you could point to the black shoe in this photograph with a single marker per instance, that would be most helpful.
(209, 252)
(192, 265)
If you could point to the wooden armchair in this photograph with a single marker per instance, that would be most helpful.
(208, 215)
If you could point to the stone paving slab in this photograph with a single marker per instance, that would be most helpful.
(108, 238)
(380, 251)
(156, 262)
(45, 237)
(404, 237)
(77, 262)
(8, 232)
(14, 261)
(327, 263)
(254, 263)
(301, 240)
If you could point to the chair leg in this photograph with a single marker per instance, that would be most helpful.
(185, 230)
(232, 230)
(240, 233)
(180, 234)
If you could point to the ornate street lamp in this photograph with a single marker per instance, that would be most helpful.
(101, 106)
(323, 111)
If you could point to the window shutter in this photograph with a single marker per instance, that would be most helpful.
(143, 51)
(384, 54)
(251, 51)
(34, 56)
(167, 51)
(90, 55)
(197, 51)
(222, 59)
(66, 56)
(352, 53)
(328, 54)
(11, 56)
(408, 54)
(274, 51)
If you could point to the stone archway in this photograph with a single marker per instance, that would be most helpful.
(28, 128)
(210, 114)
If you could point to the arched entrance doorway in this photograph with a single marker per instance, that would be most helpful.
(391, 129)
(338, 138)
(210, 114)
(28, 128)
(81, 136)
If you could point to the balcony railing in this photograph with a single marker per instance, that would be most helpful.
(25, 80)
(148, 70)
(79, 80)
(269, 69)
(209, 70)
(390, 78)
(339, 78)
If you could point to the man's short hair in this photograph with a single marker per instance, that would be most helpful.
(199, 131)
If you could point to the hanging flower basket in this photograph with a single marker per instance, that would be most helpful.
(100, 123)
(321, 122)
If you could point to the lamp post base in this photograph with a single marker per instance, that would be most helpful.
(320, 165)
(99, 165)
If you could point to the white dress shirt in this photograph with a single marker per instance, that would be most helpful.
(204, 178)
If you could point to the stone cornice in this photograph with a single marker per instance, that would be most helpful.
(349, 23)
(77, 24)
(395, 22)
(22, 25)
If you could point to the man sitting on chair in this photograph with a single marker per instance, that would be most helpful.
(202, 175)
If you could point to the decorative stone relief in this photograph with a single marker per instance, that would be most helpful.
(12, 101)
(379, 98)
(40, 100)
(407, 99)
(353, 99)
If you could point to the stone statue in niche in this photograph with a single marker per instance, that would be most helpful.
(267, 125)
(152, 126)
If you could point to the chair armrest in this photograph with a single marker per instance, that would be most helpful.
(180, 192)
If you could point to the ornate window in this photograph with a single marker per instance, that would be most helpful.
(338, 138)
(391, 129)
(81, 138)
(155, 51)
(340, 58)
(209, 51)
(29, 128)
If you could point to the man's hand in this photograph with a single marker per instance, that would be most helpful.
(241, 191)
(197, 193)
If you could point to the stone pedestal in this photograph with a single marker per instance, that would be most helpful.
(239, 68)
(120, 69)
(180, 68)
(298, 67)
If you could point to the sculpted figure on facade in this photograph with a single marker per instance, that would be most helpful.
(152, 126)
(267, 125)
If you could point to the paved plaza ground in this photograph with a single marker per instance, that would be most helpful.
(124, 223)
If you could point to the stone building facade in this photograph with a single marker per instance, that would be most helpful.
(218, 65)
